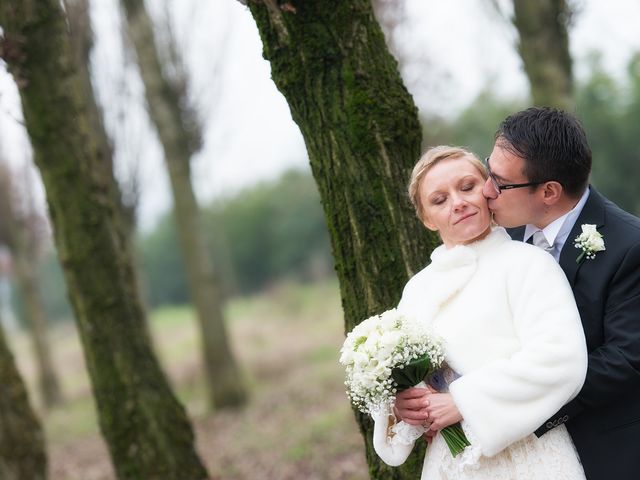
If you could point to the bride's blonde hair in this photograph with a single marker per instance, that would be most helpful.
(430, 158)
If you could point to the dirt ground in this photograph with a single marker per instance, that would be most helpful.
(297, 424)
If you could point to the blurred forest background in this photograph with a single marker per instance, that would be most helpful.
(252, 254)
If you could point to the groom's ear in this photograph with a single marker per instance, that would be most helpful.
(552, 192)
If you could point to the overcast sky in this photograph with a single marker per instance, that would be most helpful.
(249, 134)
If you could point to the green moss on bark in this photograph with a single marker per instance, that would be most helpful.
(361, 129)
(145, 427)
(22, 454)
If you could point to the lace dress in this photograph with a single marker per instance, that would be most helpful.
(551, 456)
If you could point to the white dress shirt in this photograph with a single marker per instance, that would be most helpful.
(557, 231)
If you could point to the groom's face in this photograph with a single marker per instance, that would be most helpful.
(514, 207)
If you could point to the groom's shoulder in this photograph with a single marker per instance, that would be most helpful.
(618, 218)
(621, 234)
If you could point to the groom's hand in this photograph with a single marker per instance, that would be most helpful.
(443, 411)
(411, 405)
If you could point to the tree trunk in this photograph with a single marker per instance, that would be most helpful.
(544, 47)
(21, 238)
(81, 36)
(36, 320)
(167, 109)
(22, 454)
(145, 427)
(362, 134)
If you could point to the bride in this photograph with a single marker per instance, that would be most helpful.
(514, 344)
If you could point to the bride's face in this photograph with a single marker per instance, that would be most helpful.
(453, 203)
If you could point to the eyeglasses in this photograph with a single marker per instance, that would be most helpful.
(499, 188)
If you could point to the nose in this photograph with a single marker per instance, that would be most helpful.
(458, 202)
(488, 190)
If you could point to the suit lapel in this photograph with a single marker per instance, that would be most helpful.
(592, 213)
(516, 233)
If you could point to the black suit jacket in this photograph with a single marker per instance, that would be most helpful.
(604, 419)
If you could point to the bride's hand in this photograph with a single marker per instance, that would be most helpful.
(410, 405)
(442, 411)
(429, 435)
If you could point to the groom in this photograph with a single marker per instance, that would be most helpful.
(538, 182)
(538, 188)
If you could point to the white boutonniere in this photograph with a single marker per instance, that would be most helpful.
(589, 241)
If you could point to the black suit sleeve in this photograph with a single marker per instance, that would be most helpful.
(614, 367)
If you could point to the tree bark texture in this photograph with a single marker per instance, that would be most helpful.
(22, 453)
(362, 134)
(167, 104)
(145, 427)
(81, 35)
(544, 48)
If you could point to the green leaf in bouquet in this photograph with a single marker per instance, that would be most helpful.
(412, 373)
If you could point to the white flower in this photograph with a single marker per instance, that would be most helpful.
(589, 241)
(375, 347)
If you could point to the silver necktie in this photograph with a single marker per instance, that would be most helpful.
(539, 240)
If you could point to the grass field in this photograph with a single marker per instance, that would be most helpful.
(297, 425)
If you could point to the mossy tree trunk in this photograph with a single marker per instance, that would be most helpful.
(81, 36)
(361, 129)
(145, 427)
(544, 48)
(22, 454)
(179, 135)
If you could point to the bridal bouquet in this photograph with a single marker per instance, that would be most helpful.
(388, 353)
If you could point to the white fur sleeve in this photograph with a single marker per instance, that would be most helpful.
(391, 454)
(507, 399)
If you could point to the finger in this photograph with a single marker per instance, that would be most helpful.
(413, 422)
(411, 393)
(412, 404)
(418, 415)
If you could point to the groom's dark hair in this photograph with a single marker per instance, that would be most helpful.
(552, 144)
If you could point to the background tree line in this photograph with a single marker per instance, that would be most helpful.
(266, 234)
(275, 231)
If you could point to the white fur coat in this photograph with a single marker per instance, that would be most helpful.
(511, 329)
